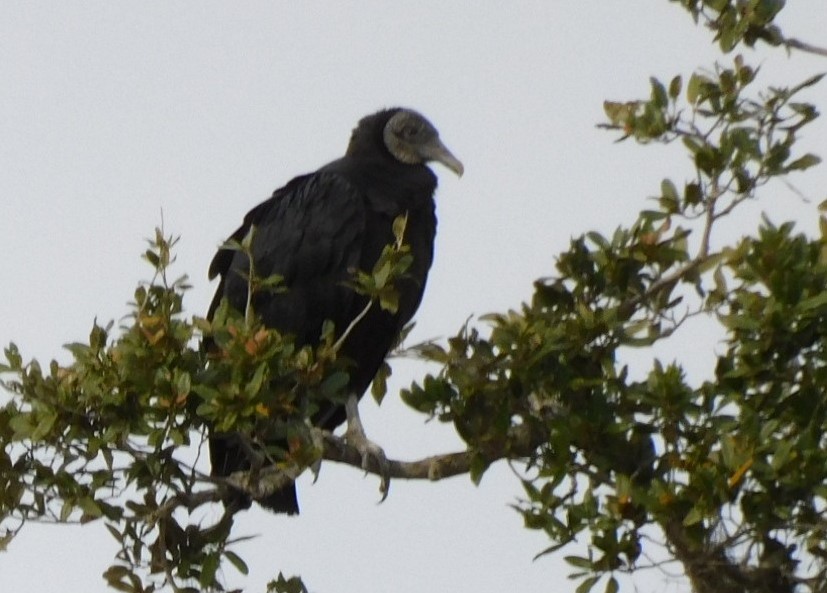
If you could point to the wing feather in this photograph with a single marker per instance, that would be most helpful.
(311, 232)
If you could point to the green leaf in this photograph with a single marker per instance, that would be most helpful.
(389, 301)
(208, 570)
(13, 357)
(253, 386)
(720, 280)
(659, 96)
(813, 80)
(113, 531)
(91, 509)
(381, 274)
(619, 113)
(399, 224)
(78, 349)
(66, 511)
(236, 561)
(152, 257)
(695, 88)
(587, 584)
(21, 424)
(247, 241)
(183, 383)
(669, 200)
(728, 455)
(579, 562)
(668, 190)
(477, 468)
(598, 239)
(334, 383)
(44, 425)
(675, 87)
(694, 516)
(379, 386)
(612, 586)
(805, 162)
(283, 585)
(783, 454)
(122, 579)
(814, 302)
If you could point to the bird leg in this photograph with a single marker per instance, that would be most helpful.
(356, 437)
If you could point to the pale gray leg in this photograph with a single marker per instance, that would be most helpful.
(355, 436)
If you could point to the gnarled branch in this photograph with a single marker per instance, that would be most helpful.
(522, 442)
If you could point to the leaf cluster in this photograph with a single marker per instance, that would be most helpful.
(731, 471)
(738, 21)
(117, 433)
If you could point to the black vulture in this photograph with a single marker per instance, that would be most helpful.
(314, 232)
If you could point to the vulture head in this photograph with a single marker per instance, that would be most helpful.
(407, 135)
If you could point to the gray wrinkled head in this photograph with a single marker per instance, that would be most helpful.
(413, 140)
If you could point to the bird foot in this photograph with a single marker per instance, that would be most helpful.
(318, 444)
(372, 454)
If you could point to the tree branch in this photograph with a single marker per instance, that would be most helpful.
(712, 570)
(805, 47)
(708, 570)
(521, 444)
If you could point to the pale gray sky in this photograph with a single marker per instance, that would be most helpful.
(111, 113)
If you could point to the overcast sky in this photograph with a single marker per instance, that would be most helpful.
(112, 114)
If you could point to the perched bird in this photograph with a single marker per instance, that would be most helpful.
(314, 232)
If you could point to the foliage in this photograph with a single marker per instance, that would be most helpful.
(106, 437)
(732, 471)
(738, 21)
(729, 472)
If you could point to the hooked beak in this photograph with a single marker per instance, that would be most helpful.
(437, 151)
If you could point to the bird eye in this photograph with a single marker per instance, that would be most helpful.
(410, 130)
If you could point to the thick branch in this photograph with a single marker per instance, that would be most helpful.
(711, 570)
(436, 467)
(521, 444)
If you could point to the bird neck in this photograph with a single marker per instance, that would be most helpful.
(367, 139)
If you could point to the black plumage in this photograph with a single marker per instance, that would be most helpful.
(315, 231)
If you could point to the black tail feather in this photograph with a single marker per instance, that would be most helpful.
(227, 456)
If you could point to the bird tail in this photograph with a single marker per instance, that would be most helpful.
(227, 456)
(283, 500)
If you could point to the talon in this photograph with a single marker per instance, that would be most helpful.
(318, 444)
(355, 436)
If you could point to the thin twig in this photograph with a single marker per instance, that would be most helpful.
(805, 47)
(338, 344)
